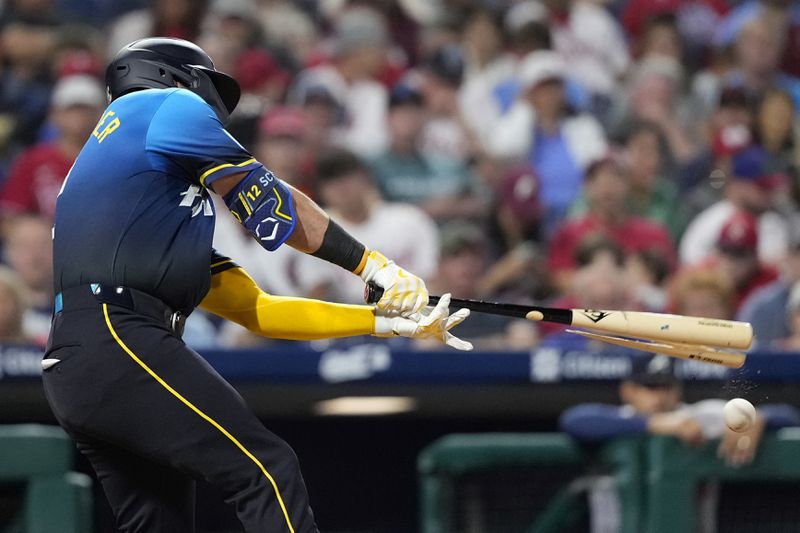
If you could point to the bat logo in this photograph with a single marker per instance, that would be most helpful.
(595, 316)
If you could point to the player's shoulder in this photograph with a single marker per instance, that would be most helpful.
(166, 101)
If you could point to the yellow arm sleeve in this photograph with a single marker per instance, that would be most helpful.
(235, 296)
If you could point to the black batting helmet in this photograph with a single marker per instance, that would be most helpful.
(159, 62)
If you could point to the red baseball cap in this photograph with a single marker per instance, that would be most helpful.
(283, 122)
(739, 234)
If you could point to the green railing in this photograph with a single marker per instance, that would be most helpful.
(655, 478)
(55, 499)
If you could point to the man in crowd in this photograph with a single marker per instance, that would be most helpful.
(737, 257)
(652, 403)
(606, 192)
(771, 301)
(347, 191)
(359, 44)
(750, 188)
(36, 176)
(440, 186)
(29, 252)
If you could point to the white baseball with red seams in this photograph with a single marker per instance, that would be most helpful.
(739, 414)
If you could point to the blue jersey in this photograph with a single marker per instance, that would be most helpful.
(134, 209)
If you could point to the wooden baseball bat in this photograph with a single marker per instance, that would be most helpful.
(679, 329)
(693, 352)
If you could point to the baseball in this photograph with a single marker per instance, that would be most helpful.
(739, 414)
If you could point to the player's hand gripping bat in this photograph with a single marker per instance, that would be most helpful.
(675, 335)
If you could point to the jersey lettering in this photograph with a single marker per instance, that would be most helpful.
(190, 195)
(99, 134)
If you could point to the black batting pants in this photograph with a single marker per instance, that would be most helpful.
(152, 416)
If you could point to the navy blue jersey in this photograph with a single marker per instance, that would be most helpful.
(134, 209)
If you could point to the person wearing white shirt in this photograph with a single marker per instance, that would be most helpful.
(750, 188)
(402, 230)
(359, 49)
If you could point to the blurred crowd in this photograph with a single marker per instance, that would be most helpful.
(638, 154)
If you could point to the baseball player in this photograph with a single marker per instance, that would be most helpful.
(133, 257)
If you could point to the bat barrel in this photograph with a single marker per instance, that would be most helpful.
(665, 327)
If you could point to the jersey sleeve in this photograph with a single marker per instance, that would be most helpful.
(186, 130)
(220, 263)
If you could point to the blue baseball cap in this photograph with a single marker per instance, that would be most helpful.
(653, 370)
(752, 164)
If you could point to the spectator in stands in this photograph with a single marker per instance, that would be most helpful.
(654, 94)
(36, 176)
(359, 44)
(78, 50)
(661, 38)
(726, 132)
(541, 129)
(462, 263)
(702, 292)
(487, 94)
(444, 133)
(681, 22)
(347, 190)
(593, 46)
(652, 404)
(29, 252)
(164, 18)
(771, 301)
(27, 46)
(750, 188)
(775, 130)
(783, 19)
(653, 194)
(233, 36)
(600, 283)
(737, 257)
(481, 41)
(518, 208)
(281, 140)
(791, 342)
(290, 29)
(758, 54)
(606, 191)
(440, 186)
(647, 272)
(13, 306)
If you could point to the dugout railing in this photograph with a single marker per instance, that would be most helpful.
(535, 483)
(40, 460)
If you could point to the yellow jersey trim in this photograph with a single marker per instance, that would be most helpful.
(200, 413)
(210, 171)
(218, 263)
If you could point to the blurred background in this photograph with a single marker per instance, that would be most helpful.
(637, 154)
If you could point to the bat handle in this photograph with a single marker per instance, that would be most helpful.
(373, 293)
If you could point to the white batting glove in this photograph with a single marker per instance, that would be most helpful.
(433, 322)
(403, 292)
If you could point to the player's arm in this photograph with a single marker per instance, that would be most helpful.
(235, 296)
(185, 133)
(275, 213)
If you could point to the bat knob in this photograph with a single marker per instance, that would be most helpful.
(372, 293)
